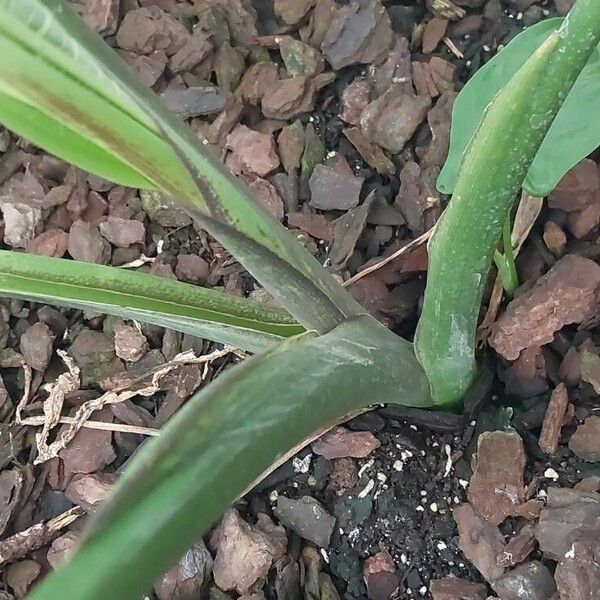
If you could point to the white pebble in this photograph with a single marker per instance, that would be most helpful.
(550, 473)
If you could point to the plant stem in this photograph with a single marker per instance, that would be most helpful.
(492, 172)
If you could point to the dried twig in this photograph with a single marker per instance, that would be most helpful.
(22, 543)
(27, 376)
(388, 259)
(453, 47)
(121, 427)
(139, 386)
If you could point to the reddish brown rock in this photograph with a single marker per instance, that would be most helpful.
(355, 99)
(391, 120)
(89, 490)
(438, 118)
(266, 195)
(130, 343)
(291, 146)
(553, 419)
(526, 376)
(334, 189)
(191, 268)
(189, 577)
(317, 226)
(578, 188)
(591, 483)
(554, 238)
(371, 153)
(344, 476)
(418, 199)
(62, 548)
(343, 443)
(292, 11)
(497, 487)
(289, 98)
(578, 193)
(150, 67)
(360, 32)
(144, 30)
(53, 242)
(567, 294)
(519, 547)
(245, 553)
(36, 345)
(57, 195)
(123, 232)
(381, 576)
(241, 20)
(455, 588)
(578, 572)
(86, 244)
(101, 15)
(21, 575)
(11, 483)
(254, 151)
(569, 516)
(372, 293)
(195, 50)
(585, 442)
(480, 541)
(89, 451)
(256, 80)
(434, 31)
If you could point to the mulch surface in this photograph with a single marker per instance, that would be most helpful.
(337, 116)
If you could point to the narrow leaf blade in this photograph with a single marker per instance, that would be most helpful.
(199, 311)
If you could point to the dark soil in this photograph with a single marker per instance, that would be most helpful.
(387, 526)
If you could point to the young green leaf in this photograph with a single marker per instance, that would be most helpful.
(221, 440)
(199, 311)
(60, 73)
(572, 136)
(491, 173)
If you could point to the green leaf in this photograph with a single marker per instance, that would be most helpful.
(492, 172)
(60, 72)
(221, 440)
(54, 137)
(574, 134)
(199, 311)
